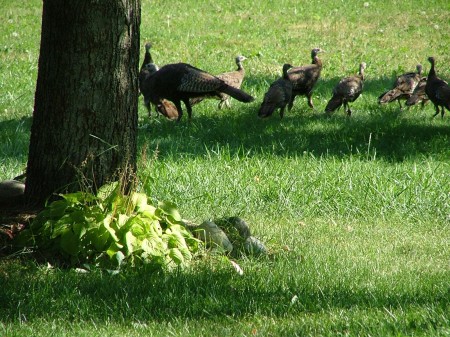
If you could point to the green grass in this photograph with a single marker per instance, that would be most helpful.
(356, 211)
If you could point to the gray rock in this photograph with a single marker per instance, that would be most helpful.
(236, 228)
(254, 247)
(11, 190)
(213, 236)
(241, 226)
(190, 225)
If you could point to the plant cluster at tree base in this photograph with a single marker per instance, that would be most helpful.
(110, 230)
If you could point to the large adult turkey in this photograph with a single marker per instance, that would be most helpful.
(233, 78)
(148, 68)
(278, 95)
(403, 87)
(347, 90)
(305, 77)
(147, 56)
(437, 90)
(419, 95)
(178, 82)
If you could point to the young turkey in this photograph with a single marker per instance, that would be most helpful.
(347, 90)
(403, 87)
(437, 90)
(304, 78)
(418, 95)
(278, 95)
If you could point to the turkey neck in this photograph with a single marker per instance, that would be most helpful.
(361, 73)
(432, 73)
(317, 61)
(240, 67)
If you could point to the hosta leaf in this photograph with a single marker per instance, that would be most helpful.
(70, 243)
(78, 215)
(127, 223)
(56, 229)
(155, 227)
(94, 214)
(78, 197)
(57, 209)
(175, 239)
(108, 191)
(79, 229)
(148, 211)
(113, 249)
(139, 200)
(123, 218)
(130, 241)
(186, 253)
(119, 257)
(170, 209)
(179, 229)
(138, 229)
(176, 256)
(98, 237)
(152, 248)
(112, 232)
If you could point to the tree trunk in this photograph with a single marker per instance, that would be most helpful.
(84, 131)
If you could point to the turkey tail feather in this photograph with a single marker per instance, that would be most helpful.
(238, 94)
(266, 110)
(389, 96)
(334, 103)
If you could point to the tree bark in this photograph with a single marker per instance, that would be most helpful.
(84, 131)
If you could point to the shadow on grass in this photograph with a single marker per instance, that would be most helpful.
(373, 130)
(143, 296)
(378, 131)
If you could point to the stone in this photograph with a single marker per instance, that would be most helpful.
(236, 229)
(241, 226)
(254, 247)
(213, 236)
(11, 190)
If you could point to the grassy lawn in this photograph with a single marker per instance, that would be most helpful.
(356, 211)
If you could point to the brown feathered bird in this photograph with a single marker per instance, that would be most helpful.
(403, 87)
(347, 90)
(167, 109)
(178, 82)
(418, 95)
(233, 78)
(278, 95)
(305, 77)
(437, 90)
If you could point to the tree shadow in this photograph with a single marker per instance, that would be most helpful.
(389, 133)
(144, 296)
(381, 131)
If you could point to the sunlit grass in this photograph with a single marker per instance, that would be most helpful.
(355, 211)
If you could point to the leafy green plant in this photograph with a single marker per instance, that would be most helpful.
(110, 229)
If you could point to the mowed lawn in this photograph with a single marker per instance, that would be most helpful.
(355, 212)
